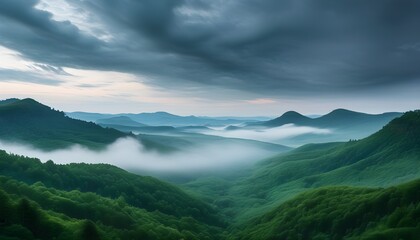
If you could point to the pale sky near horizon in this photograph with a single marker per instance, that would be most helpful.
(212, 58)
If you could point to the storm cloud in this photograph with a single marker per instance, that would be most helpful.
(268, 47)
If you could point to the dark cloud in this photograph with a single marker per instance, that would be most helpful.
(10, 75)
(270, 47)
(49, 68)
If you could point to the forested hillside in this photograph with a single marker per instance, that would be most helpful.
(115, 200)
(28, 121)
(388, 157)
(342, 213)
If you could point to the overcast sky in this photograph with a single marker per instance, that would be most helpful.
(212, 57)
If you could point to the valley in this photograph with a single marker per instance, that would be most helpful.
(278, 193)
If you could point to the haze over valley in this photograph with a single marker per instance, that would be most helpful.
(209, 120)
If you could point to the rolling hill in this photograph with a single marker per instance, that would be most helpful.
(389, 157)
(338, 125)
(163, 119)
(119, 121)
(33, 123)
(287, 118)
(337, 119)
(342, 213)
(117, 202)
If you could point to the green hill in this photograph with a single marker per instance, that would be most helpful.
(388, 157)
(342, 213)
(32, 123)
(38, 212)
(117, 202)
(106, 180)
(295, 195)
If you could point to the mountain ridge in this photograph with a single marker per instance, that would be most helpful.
(36, 124)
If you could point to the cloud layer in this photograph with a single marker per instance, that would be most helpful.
(129, 154)
(267, 47)
(273, 135)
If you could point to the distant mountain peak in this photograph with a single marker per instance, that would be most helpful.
(286, 118)
(27, 105)
(9, 100)
(343, 110)
(41, 126)
(292, 114)
(119, 120)
(342, 114)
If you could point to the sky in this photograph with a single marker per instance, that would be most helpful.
(212, 58)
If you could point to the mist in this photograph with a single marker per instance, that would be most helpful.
(130, 154)
(273, 135)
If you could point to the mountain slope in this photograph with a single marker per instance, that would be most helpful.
(342, 118)
(336, 126)
(342, 213)
(33, 123)
(388, 157)
(369, 162)
(287, 118)
(161, 119)
(119, 121)
(39, 212)
(108, 181)
(337, 119)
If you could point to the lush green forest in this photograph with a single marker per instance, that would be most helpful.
(353, 190)
(117, 204)
(108, 181)
(38, 212)
(31, 122)
(342, 213)
(388, 157)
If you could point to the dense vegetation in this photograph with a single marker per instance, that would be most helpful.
(109, 181)
(33, 123)
(388, 157)
(295, 195)
(37, 212)
(118, 203)
(342, 213)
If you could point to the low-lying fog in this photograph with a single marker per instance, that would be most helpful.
(129, 154)
(273, 135)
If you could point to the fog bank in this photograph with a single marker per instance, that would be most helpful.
(129, 154)
(273, 135)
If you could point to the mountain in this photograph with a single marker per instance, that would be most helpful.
(337, 119)
(389, 157)
(33, 123)
(336, 126)
(287, 118)
(163, 119)
(119, 121)
(342, 213)
(7, 101)
(49, 201)
(342, 118)
(189, 141)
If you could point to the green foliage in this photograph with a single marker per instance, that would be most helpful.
(99, 201)
(342, 213)
(389, 157)
(109, 181)
(35, 211)
(36, 124)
